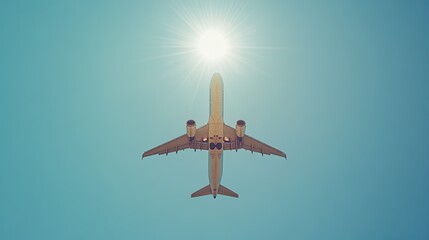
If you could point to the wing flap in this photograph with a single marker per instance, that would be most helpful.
(181, 143)
(174, 145)
(248, 143)
(254, 145)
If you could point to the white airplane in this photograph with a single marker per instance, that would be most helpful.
(215, 137)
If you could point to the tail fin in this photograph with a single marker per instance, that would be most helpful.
(208, 191)
(202, 192)
(227, 192)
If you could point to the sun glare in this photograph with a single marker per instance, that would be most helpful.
(210, 36)
(212, 45)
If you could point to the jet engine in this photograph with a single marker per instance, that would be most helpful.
(191, 129)
(240, 129)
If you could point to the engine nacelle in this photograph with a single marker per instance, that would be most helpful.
(240, 129)
(191, 129)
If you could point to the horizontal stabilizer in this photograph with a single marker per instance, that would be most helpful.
(202, 192)
(227, 192)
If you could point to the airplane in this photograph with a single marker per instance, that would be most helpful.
(215, 137)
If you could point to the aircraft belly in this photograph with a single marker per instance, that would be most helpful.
(215, 140)
(215, 170)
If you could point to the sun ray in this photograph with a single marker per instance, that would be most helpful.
(211, 36)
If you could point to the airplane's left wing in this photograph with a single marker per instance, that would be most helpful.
(254, 145)
(248, 143)
(182, 143)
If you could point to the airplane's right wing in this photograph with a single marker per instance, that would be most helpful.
(248, 143)
(182, 143)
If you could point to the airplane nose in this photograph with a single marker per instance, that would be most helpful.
(216, 80)
(216, 77)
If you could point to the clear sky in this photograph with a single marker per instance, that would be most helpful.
(340, 86)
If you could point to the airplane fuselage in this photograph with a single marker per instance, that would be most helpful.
(215, 139)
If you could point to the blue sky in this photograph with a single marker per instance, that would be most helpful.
(87, 86)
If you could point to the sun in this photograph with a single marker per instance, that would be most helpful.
(212, 45)
(210, 36)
